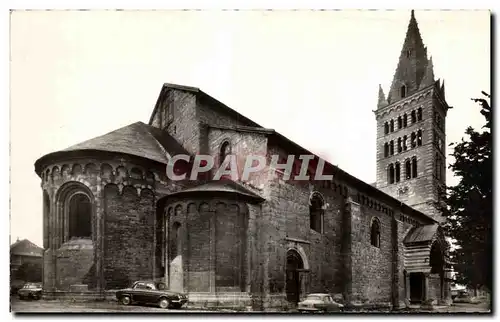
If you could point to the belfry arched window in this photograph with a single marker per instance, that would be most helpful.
(390, 173)
(419, 114)
(400, 123)
(386, 149)
(392, 125)
(398, 171)
(386, 128)
(405, 120)
(413, 140)
(391, 147)
(375, 233)
(414, 167)
(413, 116)
(419, 137)
(408, 169)
(400, 145)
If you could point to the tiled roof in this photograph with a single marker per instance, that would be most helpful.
(137, 139)
(226, 186)
(421, 234)
(25, 248)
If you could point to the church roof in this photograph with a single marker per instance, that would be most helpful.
(137, 139)
(286, 143)
(421, 234)
(224, 186)
(25, 247)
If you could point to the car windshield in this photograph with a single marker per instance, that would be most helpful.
(31, 286)
(315, 297)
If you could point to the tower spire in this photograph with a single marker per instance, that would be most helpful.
(412, 64)
(381, 97)
(428, 78)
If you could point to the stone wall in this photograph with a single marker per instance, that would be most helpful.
(130, 213)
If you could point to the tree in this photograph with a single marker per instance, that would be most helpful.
(469, 204)
(29, 272)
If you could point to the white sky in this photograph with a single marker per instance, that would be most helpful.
(313, 76)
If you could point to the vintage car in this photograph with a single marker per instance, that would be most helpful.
(319, 302)
(31, 291)
(150, 292)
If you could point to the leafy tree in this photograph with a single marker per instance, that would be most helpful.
(470, 204)
(29, 272)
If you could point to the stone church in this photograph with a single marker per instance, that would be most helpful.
(111, 215)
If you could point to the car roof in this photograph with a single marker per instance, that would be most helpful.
(147, 281)
(318, 294)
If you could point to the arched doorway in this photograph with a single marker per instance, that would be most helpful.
(294, 264)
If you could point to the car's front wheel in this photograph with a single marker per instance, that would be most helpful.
(163, 303)
(125, 300)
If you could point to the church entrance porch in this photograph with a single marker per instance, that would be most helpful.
(427, 281)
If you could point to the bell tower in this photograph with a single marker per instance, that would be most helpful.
(411, 140)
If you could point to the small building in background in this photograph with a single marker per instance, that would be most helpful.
(26, 260)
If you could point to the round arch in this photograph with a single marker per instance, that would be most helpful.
(71, 199)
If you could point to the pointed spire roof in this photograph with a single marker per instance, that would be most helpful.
(428, 78)
(381, 97)
(412, 63)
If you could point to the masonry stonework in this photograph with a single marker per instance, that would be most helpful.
(260, 244)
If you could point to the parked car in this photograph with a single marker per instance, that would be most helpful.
(150, 292)
(31, 291)
(319, 302)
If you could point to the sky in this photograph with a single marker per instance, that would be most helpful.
(311, 75)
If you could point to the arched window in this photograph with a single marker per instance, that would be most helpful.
(419, 137)
(375, 233)
(225, 150)
(316, 212)
(400, 145)
(405, 139)
(400, 123)
(414, 167)
(80, 210)
(405, 120)
(386, 128)
(413, 117)
(398, 171)
(392, 147)
(408, 169)
(403, 91)
(392, 125)
(419, 114)
(390, 173)
(176, 240)
(413, 140)
(386, 149)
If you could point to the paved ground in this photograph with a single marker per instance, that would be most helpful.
(18, 306)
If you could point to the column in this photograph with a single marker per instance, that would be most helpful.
(395, 262)
(407, 287)
(426, 287)
(351, 222)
